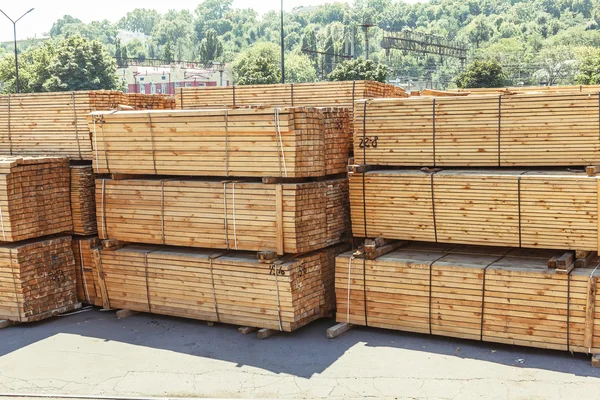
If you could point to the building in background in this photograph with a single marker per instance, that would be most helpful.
(168, 79)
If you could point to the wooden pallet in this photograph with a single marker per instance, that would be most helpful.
(286, 142)
(88, 287)
(37, 279)
(83, 200)
(286, 218)
(229, 287)
(537, 209)
(55, 124)
(554, 129)
(314, 94)
(498, 295)
(34, 197)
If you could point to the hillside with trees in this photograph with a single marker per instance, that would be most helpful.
(533, 41)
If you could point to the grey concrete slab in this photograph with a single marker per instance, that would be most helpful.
(95, 354)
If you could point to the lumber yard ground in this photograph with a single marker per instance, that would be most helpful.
(95, 354)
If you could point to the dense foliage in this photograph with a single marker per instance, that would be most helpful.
(481, 74)
(359, 69)
(535, 41)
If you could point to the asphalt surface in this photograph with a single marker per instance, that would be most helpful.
(95, 354)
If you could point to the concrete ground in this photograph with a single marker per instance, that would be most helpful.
(95, 354)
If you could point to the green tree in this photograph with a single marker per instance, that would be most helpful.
(118, 53)
(81, 64)
(125, 57)
(558, 65)
(58, 26)
(359, 69)
(211, 47)
(137, 50)
(140, 20)
(299, 68)
(168, 55)
(589, 70)
(258, 65)
(482, 73)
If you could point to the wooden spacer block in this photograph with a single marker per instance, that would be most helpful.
(122, 314)
(596, 361)
(247, 329)
(210, 323)
(338, 329)
(592, 170)
(265, 333)
(4, 323)
(267, 256)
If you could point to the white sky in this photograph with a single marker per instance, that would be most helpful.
(48, 11)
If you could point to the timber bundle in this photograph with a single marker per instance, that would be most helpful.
(83, 200)
(56, 123)
(316, 94)
(287, 142)
(495, 236)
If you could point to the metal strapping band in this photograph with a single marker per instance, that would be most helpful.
(235, 243)
(85, 288)
(147, 284)
(2, 223)
(278, 303)
(227, 143)
(519, 205)
(212, 278)
(433, 132)
(598, 115)
(483, 291)
(75, 122)
(233, 93)
(292, 93)
(225, 215)
(348, 304)
(10, 255)
(181, 97)
(431, 284)
(433, 207)
(364, 195)
(280, 142)
(353, 91)
(9, 132)
(499, 126)
(162, 210)
(591, 276)
(103, 196)
(569, 310)
(152, 142)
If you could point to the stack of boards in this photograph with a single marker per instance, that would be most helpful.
(221, 286)
(55, 124)
(287, 218)
(316, 94)
(88, 284)
(535, 209)
(83, 200)
(539, 129)
(494, 294)
(529, 89)
(288, 142)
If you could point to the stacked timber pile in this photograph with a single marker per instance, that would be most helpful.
(498, 131)
(88, 287)
(228, 287)
(507, 254)
(83, 200)
(55, 123)
(315, 94)
(536, 209)
(530, 89)
(499, 295)
(34, 197)
(288, 142)
(252, 179)
(254, 216)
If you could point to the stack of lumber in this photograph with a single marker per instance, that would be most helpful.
(549, 129)
(529, 89)
(498, 295)
(34, 197)
(220, 286)
(37, 279)
(56, 124)
(537, 209)
(88, 288)
(315, 94)
(287, 218)
(83, 200)
(288, 142)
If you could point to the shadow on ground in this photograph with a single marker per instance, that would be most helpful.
(302, 353)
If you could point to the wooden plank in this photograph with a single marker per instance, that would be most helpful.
(122, 314)
(338, 330)
(279, 219)
(266, 333)
(590, 312)
(245, 330)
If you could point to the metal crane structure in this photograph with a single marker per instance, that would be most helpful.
(423, 43)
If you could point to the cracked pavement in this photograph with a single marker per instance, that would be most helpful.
(95, 354)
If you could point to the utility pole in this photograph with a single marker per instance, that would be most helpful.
(282, 47)
(366, 27)
(16, 53)
(352, 38)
